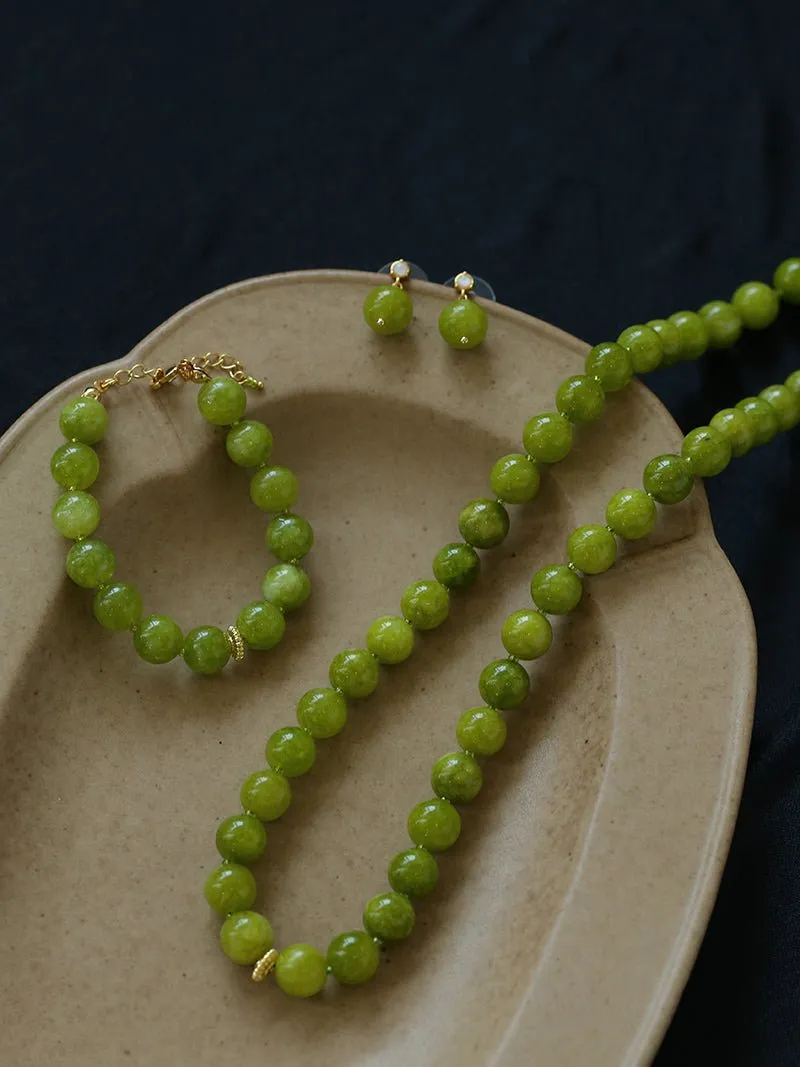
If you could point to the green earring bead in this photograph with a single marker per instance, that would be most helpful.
(388, 308)
(464, 322)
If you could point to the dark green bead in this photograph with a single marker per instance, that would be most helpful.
(670, 338)
(291, 751)
(514, 479)
(84, 419)
(707, 451)
(414, 872)
(301, 971)
(481, 731)
(548, 437)
(737, 428)
(463, 324)
(504, 684)
(631, 514)
(611, 365)
(261, 625)
(592, 549)
(457, 777)
(426, 604)
(793, 382)
(644, 346)
(484, 523)
(434, 825)
(75, 465)
(287, 586)
(787, 280)
(230, 888)
(289, 537)
(118, 606)
(388, 309)
(785, 404)
(222, 401)
(245, 937)
(389, 916)
(266, 794)
(581, 399)
(723, 322)
(249, 444)
(323, 712)
(90, 564)
(556, 589)
(356, 672)
(353, 957)
(241, 838)
(668, 479)
(762, 418)
(158, 639)
(757, 304)
(206, 650)
(457, 565)
(693, 334)
(527, 634)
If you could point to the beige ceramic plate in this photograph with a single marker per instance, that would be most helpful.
(570, 911)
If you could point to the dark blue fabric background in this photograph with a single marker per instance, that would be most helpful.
(600, 163)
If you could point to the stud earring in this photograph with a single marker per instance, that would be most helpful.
(463, 323)
(388, 308)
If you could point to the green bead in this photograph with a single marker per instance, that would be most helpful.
(353, 957)
(249, 444)
(787, 280)
(481, 731)
(757, 304)
(737, 428)
(426, 604)
(356, 672)
(723, 323)
(301, 971)
(580, 398)
(287, 586)
(266, 794)
(390, 639)
(289, 537)
(230, 888)
(762, 418)
(241, 838)
(484, 523)
(548, 437)
(261, 625)
(670, 338)
(206, 650)
(222, 401)
(631, 514)
(611, 365)
(556, 589)
(457, 777)
(434, 825)
(707, 451)
(785, 404)
(668, 478)
(90, 564)
(388, 309)
(514, 479)
(527, 634)
(592, 549)
(158, 639)
(75, 465)
(504, 684)
(463, 324)
(84, 419)
(323, 712)
(414, 872)
(291, 751)
(693, 334)
(457, 565)
(389, 916)
(644, 346)
(245, 937)
(273, 488)
(76, 514)
(118, 606)
(793, 382)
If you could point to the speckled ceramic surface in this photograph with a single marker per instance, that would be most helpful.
(569, 913)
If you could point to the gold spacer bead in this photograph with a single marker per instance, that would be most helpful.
(236, 643)
(265, 965)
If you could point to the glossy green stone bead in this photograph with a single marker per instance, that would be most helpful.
(90, 564)
(434, 824)
(301, 971)
(693, 334)
(291, 751)
(644, 346)
(737, 428)
(457, 777)
(390, 639)
(762, 418)
(261, 625)
(670, 338)
(158, 639)
(481, 731)
(249, 444)
(668, 478)
(266, 794)
(206, 650)
(426, 604)
(548, 437)
(414, 872)
(631, 514)
(356, 672)
(84, 419)
(76, 514)
(515, 479)
(592, 549)
(787, 280)
(785, 404)
(389, 916)
(323, 712)
(463, 324)
(353, 957)
(484, 523)
(611, 365)
(273, 488)
(75, 465)
(289, 537)
(230, 888)
(707, 451)
(118, 606)
(287, 586)
(504, 684)
(723, 323)
(241, 838)
(457, 565)
(757, 304)
(222, 401)
(580, 398)
(556, 589)
(388, 309)
(245, 937)
(527, 634)
(793, 382)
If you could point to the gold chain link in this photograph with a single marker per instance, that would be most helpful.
(193, 369)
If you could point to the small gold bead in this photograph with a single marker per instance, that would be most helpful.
(265, 965)
(235, 642)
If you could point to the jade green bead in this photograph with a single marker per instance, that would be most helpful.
(222, 401)
(414, 872)
(670, 338)
(230, 888)
(484, 523)
(707, 451)
(556, 589)
(273, 488)
(261, 625)
(592, 549)
(693, 334)
(762, 418)
(644, 347)
(548, 437)
(301, 971)
(118, 606)
(245, 937)
(785, 404)
(737, 428)
(757, 304)
(504, 684)
(390, 639)
(289, 537)
(75, 465)
(668, 479)
(514, 479)
(793, 382)
(353, 957)
(323, 712)
(356, 672)
(206, 650)
(388, 309)
(389, 916)
(249, 444)
(611, 365)
(457, 565)
(481, 731)
(527, 634)
(158, 639)
(580, 399)
(457, 777)
(76, 514)
(426, 604)
(463, 324)
(287, 586)
(266, 794)
(787, 280)
(241, 838)
(434, 825)
(84, 419)
(291, 751)
(90, 564)
(723, 323)
(631, 514)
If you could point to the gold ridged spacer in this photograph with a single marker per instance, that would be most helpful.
(236, 643)
(265, 965)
